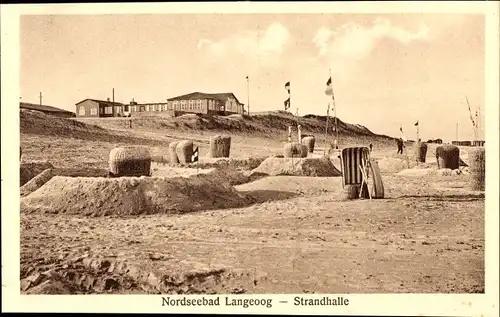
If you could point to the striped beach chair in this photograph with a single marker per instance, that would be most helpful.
(358, 169)
(351, 158)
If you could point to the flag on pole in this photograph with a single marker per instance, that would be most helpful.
(329, 88)
(194, 157)
(416, 124)
(470, 113)
(287, 103)
(402, 134)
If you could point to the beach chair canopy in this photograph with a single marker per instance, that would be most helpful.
(351, 158)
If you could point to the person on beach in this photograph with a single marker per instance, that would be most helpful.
(400, 145)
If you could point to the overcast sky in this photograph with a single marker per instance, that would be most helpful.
(387, 70)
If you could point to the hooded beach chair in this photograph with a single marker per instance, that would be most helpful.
(357, 169)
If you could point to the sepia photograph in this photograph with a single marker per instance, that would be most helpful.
(252, 153)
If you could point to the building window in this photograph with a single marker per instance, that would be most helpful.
(108, 110)
(133, 109)
(93, 111)
(81, 112)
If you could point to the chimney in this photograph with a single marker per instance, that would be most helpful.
(108, 99)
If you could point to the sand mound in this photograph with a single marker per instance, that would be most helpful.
(321, 167)
(219, 174)
(38, 123)
(131, 196)
(238, 163)
(394, 165)
(32, 169)
(209, 162)
(163, 170)
(42, 178)
(419, 172)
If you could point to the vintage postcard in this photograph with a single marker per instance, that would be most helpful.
(251, 157)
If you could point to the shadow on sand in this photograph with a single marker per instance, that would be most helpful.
(452, 197)
(261, 196)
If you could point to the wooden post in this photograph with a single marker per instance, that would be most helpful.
(248, 94)
(326, 129)
(336, 126)
(113, 106)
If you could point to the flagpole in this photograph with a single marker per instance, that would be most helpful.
(418, 131)
(296, 115)
(335, 115)
(248, 95)
(287, 107)
(478, 122)
(326, 129)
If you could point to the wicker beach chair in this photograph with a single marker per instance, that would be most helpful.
(357, 169)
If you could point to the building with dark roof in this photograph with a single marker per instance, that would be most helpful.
(100, 108)
(53, 111)
(198, 102)
(148, 107)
